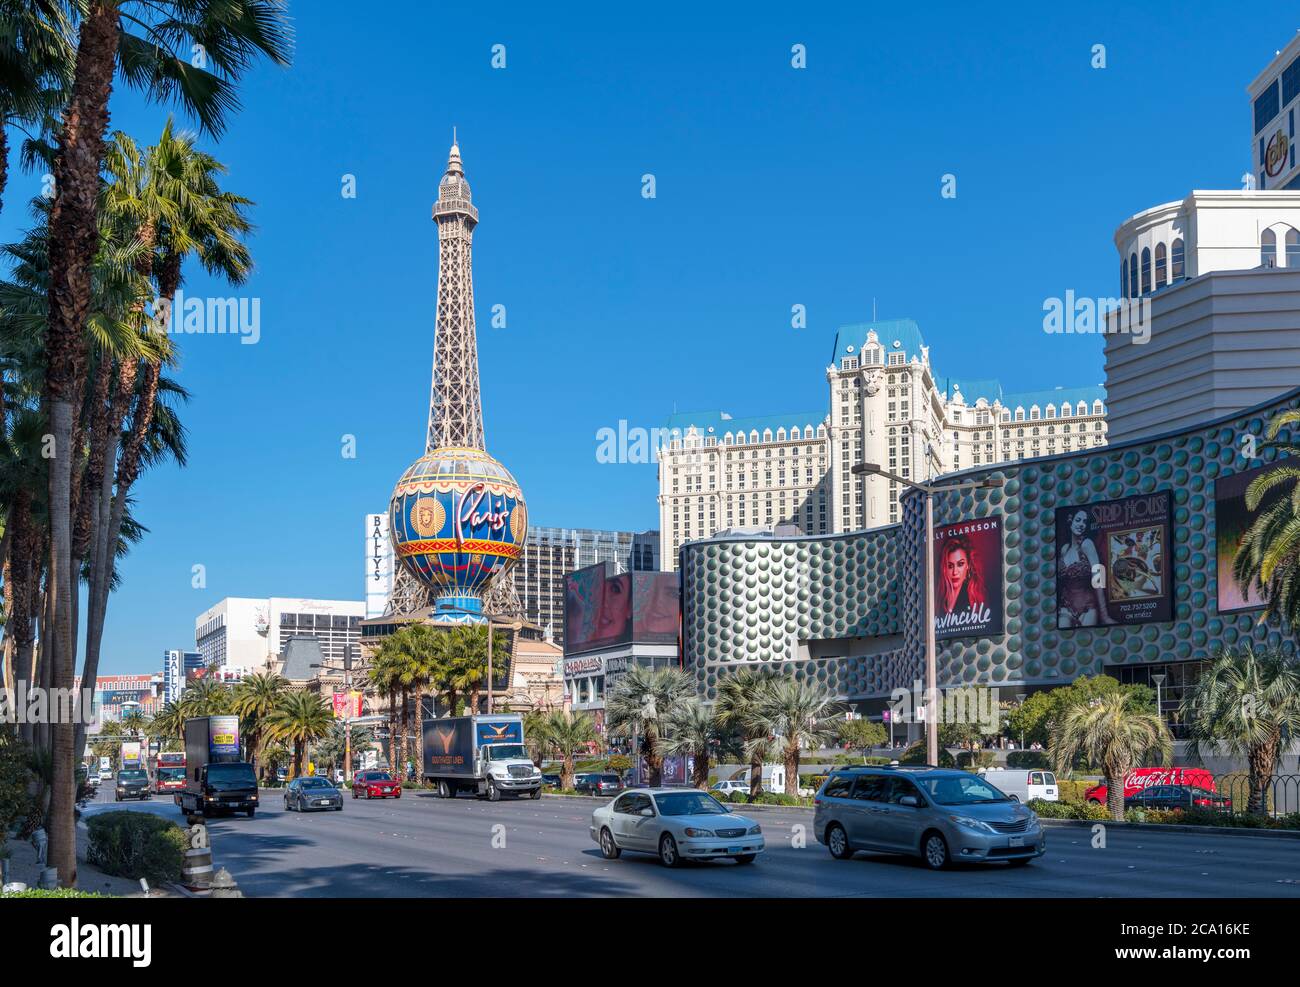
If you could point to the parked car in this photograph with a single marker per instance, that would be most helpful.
(1140, 778)
(132, 783)
(1023, 784)
(375, 785)
(938, 814)
(729, 786)
(1178, 797)
(551, 781)
(676, 824)
(310, 793)
(600, 784)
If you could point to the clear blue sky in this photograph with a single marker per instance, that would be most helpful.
(774, 187)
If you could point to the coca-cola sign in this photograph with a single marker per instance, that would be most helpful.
(1140, 779)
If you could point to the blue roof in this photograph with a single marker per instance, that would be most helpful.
(720, 422)
(903, 331)
(971, 390)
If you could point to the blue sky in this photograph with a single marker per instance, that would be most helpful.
(775, 187)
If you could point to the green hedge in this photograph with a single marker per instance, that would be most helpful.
(764, 798)
(915, 754)
(1068, 810)
(1028, 759)
(55, 893)
(136, 845)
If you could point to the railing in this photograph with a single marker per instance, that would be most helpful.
(1281, 793)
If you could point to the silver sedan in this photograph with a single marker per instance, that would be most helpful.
(675, 824)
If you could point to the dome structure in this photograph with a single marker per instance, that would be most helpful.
(458, 522)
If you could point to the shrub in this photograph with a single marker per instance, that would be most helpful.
(1068, 810)
(15, 803)
(811, 781)
(53, 893)
(1028, 759)
(136, 845)
(915, 754)
(985, 759)
(1072, 791)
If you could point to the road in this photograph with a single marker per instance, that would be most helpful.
(421, 846)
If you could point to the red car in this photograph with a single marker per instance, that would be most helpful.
(1140, 779)
(375, 785)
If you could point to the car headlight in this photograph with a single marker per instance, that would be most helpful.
(755, 830)
(692, 832)
(976, 824)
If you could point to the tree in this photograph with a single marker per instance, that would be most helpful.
(1115, 732)
(641, 705)
(1268, 557)
(1035, 718)
(799, 714)
(254, 699)
(1245, 702)
(693, 731)
(568, 733)
(169, 723)
(738, 695)
(860, 734)
(300, 719)
(206, 697)
(157, 61)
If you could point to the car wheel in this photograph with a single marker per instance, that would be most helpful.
(398, 794)
(837, 842)
(537, 793)
(251, 813)
(669, 855)
(444, 790)
(608, 848)
(493, 793)
(746, 858)
(354, 793)
(935, 851)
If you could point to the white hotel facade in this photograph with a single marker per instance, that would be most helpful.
(887, 406)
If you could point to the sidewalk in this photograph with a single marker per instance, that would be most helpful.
(22, 867)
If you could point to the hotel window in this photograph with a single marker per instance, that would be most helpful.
(1146, 270)
(1292, 248)
(1268, 249)
(1123, 279)
(1176, 272)
(1133, 273)
(1161, 266)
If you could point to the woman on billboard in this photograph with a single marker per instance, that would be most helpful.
(963, 586)
(1081, 603)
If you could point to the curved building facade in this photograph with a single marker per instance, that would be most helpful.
(846, 610)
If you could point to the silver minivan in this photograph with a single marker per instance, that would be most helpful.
(938, 814)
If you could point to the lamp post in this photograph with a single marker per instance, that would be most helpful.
(1159, 679)
(1020, 697)
(928, 490)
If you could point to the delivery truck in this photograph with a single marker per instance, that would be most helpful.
(481, 754)
(130, 756)
(217, 778)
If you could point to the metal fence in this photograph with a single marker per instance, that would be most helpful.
(1281, 792)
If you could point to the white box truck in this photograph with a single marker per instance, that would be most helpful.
(483, 754)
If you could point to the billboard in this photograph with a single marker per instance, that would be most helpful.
(223, 736)
(499, 732)
(1112, 562)
(604, 609)
(967, 575)
(343, 709)
(1232, 519)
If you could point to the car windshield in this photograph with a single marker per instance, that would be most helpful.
(689, 804)
(226, 777)
(171, 774)
(506, 752)
(379, 776)
(316, 783)
(966, 790)
(131, 775)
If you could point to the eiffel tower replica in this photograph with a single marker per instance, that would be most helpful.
(455, 403)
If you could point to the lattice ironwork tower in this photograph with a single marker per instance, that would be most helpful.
(455, 405)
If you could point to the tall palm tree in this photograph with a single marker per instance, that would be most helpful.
(206, 697)
(641, 706)
(133, 723)
(799, 714)
(1245, 703)
(1268, 557)
(382, 675)
(567, 733)
(158, 61)
(1115, 732)
(300, 719)
(254, 699)
(169, 723)
(694, 731)
(738, 694)
(535, 733)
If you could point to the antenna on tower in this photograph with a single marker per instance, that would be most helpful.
(873, 310)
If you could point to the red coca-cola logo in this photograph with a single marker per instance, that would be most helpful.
(1142, 778)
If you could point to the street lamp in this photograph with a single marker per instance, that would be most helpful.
(1158, 679)
(347, 710)
(1020, 697)
(928, 490)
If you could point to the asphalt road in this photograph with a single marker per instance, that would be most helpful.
(421, 846)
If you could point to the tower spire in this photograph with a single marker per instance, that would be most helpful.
(455, 405)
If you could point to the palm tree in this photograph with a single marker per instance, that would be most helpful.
(254, 699)
(641, 706)
(1268, 558)
(568, 733)
(1245, 702)
(799, 714)
(300, 719)
(738, 695)
(157, 61)
(694, 731)
(1115, 732)
(382, 674)
(535, 733)
(206, 697)
(133, 723)
(169, 722)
